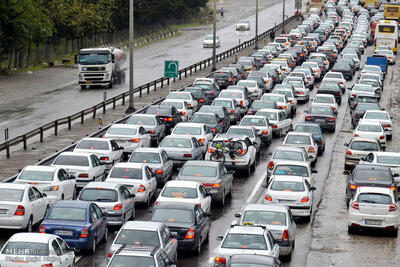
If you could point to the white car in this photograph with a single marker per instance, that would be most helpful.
(390, 159)
(372, 208)
(282, 102)
(243, 25)
(21, 206)
(108, 151)
(361, 89)
(138, 179)
(252, 87)
(84, 166)
(185, 192)
(315, 68)
(370, 129)
(302, 93)
(292, 191)
(382, 117)
(261, 124)
(200, 131)
(289, 93)
(294, 168)
(326, 100)
(281, 124)
(284, 153)
(187, 96)
(372, 76)
(304, 140)
(181, 105)
(54, 181)
(36, 249)
(336, 77)
(129, 136)
(239, 96)
(208, 41)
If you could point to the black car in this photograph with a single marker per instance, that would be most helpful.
(260, 59)
(253, 260)
(187, 222)
(170, 116)
(221, 112)
(199, 94)
(348, 60)
(211, 120)
(322, 115)
(363, 99)
(224, 78)
(359, 111)
(240, 69)
(331, 88)
(261, 104)
(329, 53)
(212, 89)
(344, 68)
(369, 175)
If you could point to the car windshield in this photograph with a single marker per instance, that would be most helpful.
(31, 175)
(238, 131)
(324, 100)
(179, 95)
(67, 214)
(223, 103)
(275, 98)
(130, 173)
(288, 155)
(71, 160)
(121, 260)
(187, 130)
(373, 175)
(199, 171)
(205, 85)
(256, 217)
(369, 128)
(298, 139)
(374, 198)
(376, 116)
(145, 157)
(26, 248)
(390, 160)
(308, 129)
(121, 131)
(221, 75)
(177, 105)
(364, 146)
(141, 120)
(93, 144)
(12, 195)
(203, 118)
(94, 59)
(291, 170)
(287, 186)
(320, 110)
(172, 215)
(137, 237)
(98, 194)
(176, 142)
(247, 121)
(270, 115)
(245, 241)
(179, 192)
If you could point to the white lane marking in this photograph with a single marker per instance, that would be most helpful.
(78, 259)
(256, 187)
(3, 123)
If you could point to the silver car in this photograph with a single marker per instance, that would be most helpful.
(284, 153)
(182, 148)
(261, 124)
(145, 233)
(157, 160)
(248, 131)
(358, 148)
(114, 199)
(151, 123)
(213, 175)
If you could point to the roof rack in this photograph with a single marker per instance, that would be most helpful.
(131, 247)
(248, 224)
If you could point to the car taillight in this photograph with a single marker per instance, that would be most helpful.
(311, 149)
(42, 229)
(255, 91)
(264, 132)
(201, 100)
(220, 260)
(250, 112)
(201, 140)
(281, 107)
(355, 205)
(353, 187)
(333, 108)
(392, 207)
(305, 199)
(159, 171)
(187, 155)
(105, 158)
(241, 102)
(308, 118)
(348, 152)
(136, 140)
(109, 255)
(241, 151)
(212, 185)
(20, 211)
(274, 126)
(232, 111)
(387, 125)
(141, 188)
(156, 203)
(117, 207)
(268, 198)
(230, 79)
(271, 165)
(291, 102)
(356, 135)
(85, 233)
(47, 265)
(242, 74)
(331, 119)
(381, 137)
(168, 119)
(285, 236)
(183, 113)
(210, 150)
(190, 234)
(83, 175)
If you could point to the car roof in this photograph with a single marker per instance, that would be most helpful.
(142, 225)
(300, 133)
(270, 110)
(183, 184)
(31, 237)
(105, 185)
(71, 204)
(148, 149)
(290, 148)
(202, 163)
(76, 154)
(134, 165)
(252, 259)
(308, 124)
(363, 139)
(289, 178)
(371, 167)
(386, 153)
(190, 124)
(239, 229)
(144, 115)
(263, 207)
(253, 116)
(292, 162)
(124, 125)
(368, 121)
(370, 189)
(95, 139)
(41, 168)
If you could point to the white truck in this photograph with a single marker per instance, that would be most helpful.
(100, 67)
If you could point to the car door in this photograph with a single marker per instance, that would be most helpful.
(208, 135)
(151, 181)
(116, 153)
(202, 226)
(170, 244)
(285, 121)
(167, 164)
(102, 220)
(128, 201)
(96, 223)
(197, 149)
(42, 203)
(57, 254)
(67, 184)
(205, 198)
(35, 206)
(225, 181)
(98, 168)
(67, 254)
(273, 244)
(145, 137)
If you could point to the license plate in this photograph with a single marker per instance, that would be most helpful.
(89, 82)
(60, 232)
(373, 222)
(319, 120)
(3, 211)
(285, 201)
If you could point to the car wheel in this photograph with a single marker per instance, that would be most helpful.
(223, 199)
(148, 202)
(105, 238)
(198, 251)
(248, 171)
(93, 248)
(350, 230)
(230, 191)
(389, 137)
(62, 197)
(394, 232)
(83, 87)
(253, 166)
(74, 194)
(29, 226)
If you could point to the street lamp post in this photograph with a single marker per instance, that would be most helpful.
(214, 54)
(131, 107)
(283, 16)
(256, 38)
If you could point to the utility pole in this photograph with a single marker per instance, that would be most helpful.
(283, 16)
(131, 107)
(256, 38)
(214, 54)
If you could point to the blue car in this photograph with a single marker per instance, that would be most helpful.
(81, 224)
(316, 131)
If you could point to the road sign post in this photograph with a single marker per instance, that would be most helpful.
(171, 69)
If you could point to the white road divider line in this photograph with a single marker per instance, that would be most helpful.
(260, 181)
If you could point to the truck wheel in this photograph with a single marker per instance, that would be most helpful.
(112, 82)
(83, 87)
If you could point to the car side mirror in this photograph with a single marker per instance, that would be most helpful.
(219, 238)
(121, 148)
(238, 215)
(346, 172)
(132, 195)
(346, 144)
(231, 172)
(314, 171)
(45, 195)
(313, 188)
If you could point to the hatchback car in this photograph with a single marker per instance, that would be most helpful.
(261, 124)
(182, 148)
(211, 120)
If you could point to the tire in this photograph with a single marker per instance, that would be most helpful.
(198, 250)
(105, 238)
(148, 202)
(230, 191)
(83, 87)
(62, 197)
(112, 82)
(394, 232)
(248, 171)
(223, 199)
(253, 166)
(74, 194)
(29, 226)
(92, 250)
(350, 230)
(389, 137)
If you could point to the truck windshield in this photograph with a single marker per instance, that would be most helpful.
(93, 59)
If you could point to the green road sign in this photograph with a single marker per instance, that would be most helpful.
(171, 69)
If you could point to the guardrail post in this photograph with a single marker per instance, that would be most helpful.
(162, 82)
(195, 68)
(94, 112)
(123, 99)
(185, 72)
(155, 86)
(69, 123)
(56, 127)
(200, 65)
(190, 70)
(41, 134)
(24, 142)
(114, 102)
(148, 88)
(180, 75)
(104, 107)
(167, 81)
(8, 149)
(82, 117)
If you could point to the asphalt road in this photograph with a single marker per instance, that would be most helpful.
(28, 101)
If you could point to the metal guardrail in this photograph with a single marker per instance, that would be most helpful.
(23, 139)
(68, 120)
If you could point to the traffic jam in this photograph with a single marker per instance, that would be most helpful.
(180, 158)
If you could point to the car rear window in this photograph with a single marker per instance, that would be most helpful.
(93, 144)
(324, 99)
(179, 192)
(225, 94)
(98, 194)
(163, 111)
(271, 116)
(248, 83)
(245, 241)
(291, 170)
(172, 215)
(71, 160)
(141, 120)
(238, 131)
(184, 96)
(273, 98)
(121, 260)
(129, 173)
(223, 103)
(187, 130)
(288, 155)
(12, 195)
(374, 198)
(121, 131)
(364, 146)
(369, 128)
(31, 175)
(320, 110)
(145, 157)
(308, 129)
(67, 214)
(177, 105)
(247, 121)
(264, 217)
(392, 160)
(138, 237)
(287, 186)
(376, 116)
(373, 175)
(199, 171)
(298, 139)
(26, 248)
(203, 118)
(176, 142)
